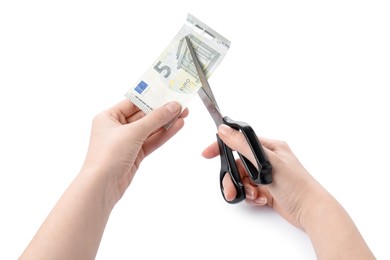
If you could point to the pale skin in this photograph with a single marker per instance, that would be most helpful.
(297, 197)
(123, 136)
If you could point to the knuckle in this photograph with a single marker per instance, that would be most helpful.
(158, 117)
(242, 143)
(97, 118)
(281, 144)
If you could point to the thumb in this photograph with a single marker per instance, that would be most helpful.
(157, 118)
(235, 140)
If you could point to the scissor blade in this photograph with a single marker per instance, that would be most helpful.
(199, 70)
(211, 107)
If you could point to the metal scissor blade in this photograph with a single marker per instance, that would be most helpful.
(211, 107)
(201, 75)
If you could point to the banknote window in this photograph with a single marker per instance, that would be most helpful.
(209, 36)
(198, 29)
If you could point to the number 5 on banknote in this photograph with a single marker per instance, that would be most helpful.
(173, 77)
(162, 68)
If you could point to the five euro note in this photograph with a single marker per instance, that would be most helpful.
(173, 76)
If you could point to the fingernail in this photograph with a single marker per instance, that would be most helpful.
(223, 129)
(249, 194)
(173, 107)
(261, 200)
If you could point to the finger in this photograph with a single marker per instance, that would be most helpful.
(185, 113)
(269, 143)
(160, 137)
(211, 151)
(229, 190)
(258, 194)
(135, 117)
(235, 140)
(274, 145)
(250, 188)
(155, 119)
(121, 112)
(261, 198)
(140, 114)
(261, 201)
(126, 108)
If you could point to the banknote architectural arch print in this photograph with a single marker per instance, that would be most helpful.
(173, 77)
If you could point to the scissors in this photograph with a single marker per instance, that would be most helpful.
(260, 175)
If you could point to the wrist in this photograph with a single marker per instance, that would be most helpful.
(331, 230)
(319, 203)
(101, 185)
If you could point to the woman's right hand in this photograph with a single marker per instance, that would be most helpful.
(292, 189)
(297, 197)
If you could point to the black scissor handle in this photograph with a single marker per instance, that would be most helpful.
(228, 166)
(260, 175)
(263, 173)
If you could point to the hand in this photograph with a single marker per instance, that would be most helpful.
(123, 136)
(297, 197)
(291, 182)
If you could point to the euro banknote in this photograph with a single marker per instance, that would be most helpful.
(173, 76)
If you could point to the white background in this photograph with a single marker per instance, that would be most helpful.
(312, 73)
